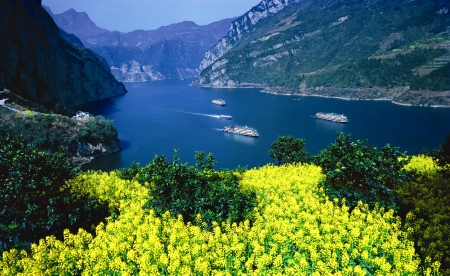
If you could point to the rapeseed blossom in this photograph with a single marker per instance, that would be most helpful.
(296, 230)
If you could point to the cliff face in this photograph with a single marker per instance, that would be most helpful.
(40, 64)
(245, 23)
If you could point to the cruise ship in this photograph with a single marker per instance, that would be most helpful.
(339, 118)
(219, 102)
(241, 130)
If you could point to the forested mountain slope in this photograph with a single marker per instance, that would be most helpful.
(359, 49)
(42, 65)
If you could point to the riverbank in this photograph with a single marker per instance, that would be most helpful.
(399, 96)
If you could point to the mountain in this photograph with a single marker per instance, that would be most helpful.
(358, 49)
(169, 52)
(40, 63)
(77, 23)
(243, 24)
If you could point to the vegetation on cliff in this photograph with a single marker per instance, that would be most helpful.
(43, 65)
(354, 49)
(50, 132)
(295, 228)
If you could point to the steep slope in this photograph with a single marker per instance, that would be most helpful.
(77, 23)
(243, 24)
(397, 50)
(173, 51)
(41, 65)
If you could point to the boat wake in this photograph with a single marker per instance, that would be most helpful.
(200, 114)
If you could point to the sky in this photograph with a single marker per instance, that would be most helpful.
(129, 15)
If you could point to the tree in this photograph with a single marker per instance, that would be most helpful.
(191, 190)
(35, 200)
(358, 171)
(287, 149)
(444, 157)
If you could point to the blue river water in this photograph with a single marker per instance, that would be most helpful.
(158, 117)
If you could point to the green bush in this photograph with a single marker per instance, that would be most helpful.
(35, 200)
(287, 149)
(357, 171)
(428, 200)
(191, 190)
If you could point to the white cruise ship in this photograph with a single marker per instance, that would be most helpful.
(241, 130)
(219, 102)
(339, 118)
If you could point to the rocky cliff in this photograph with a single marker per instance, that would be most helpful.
(245, 23)
(40, 64)
(357, 49)
(169, 52)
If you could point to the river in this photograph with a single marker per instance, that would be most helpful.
(158, 117)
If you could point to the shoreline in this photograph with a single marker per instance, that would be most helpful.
(412, 98)
(392, 100)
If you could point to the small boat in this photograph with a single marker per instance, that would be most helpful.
(219, 102)
(226, 117)
(339, 118)
(241, 130)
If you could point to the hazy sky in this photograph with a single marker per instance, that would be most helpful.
(129, 15)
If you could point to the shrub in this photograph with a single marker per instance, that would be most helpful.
(357, 171)
(191, 190)
(287, 149)
(35, 200)
(428, 198)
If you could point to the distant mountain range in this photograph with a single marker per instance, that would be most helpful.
(169, 52)
(394, 50)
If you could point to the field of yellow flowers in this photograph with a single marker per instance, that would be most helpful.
(297, 230)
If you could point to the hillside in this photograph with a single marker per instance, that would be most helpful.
(42, 65)
(169, 52)
(43, 72)
(392, 50)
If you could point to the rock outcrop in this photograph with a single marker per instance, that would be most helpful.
(241, 25)
(40, 64)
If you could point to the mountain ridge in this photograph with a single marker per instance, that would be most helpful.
(179, 46)
(391, 50)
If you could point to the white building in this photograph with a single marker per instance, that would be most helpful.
(82, 116)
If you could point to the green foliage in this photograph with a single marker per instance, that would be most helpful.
(34, 199)
(441, 154)
(337, 44)
(49, 133)
(387, 72)
(287, 149)
(444, 158)
(98, 129)
(357, 171)
(191, 190)
(428, 199)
